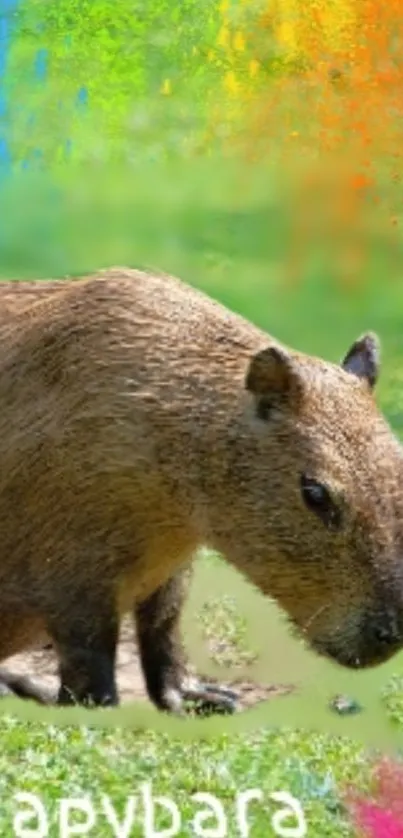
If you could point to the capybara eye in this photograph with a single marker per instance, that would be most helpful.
(317, 498)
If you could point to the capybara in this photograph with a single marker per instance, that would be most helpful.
(141, 420)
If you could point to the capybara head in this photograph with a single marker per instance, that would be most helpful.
(321, 474)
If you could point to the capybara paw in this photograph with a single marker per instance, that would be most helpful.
(14, 685)
(210, 700)
(6, 691)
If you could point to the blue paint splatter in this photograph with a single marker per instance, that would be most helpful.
(5, 156)
(82, 97)
(7, 10)
(4, 27)
(41, 64)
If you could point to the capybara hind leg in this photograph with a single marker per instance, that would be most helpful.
(85, 638)
(162, 654)
(18, 633)
(21, 686)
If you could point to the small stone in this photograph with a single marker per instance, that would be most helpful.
(345, 706)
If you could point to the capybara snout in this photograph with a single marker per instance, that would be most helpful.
(373, 638)
(320, 477)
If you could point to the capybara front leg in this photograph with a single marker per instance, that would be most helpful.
(162, 654)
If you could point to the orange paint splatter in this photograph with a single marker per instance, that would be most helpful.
(336, 97)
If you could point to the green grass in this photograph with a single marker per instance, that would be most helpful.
(53, 763)
(142, 193)
(226, 632)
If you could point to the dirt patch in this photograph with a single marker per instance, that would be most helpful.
(41, 666)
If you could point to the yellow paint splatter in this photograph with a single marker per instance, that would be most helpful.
(254, 67)
(223, 37)
(231, 83)
(166, 87)
(239, 42)
(287, 36)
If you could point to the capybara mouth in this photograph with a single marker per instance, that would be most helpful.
(368, 657)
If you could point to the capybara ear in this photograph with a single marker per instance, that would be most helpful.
(271, 372)
(363, 358)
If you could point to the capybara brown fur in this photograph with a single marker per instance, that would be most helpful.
(141, 420)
